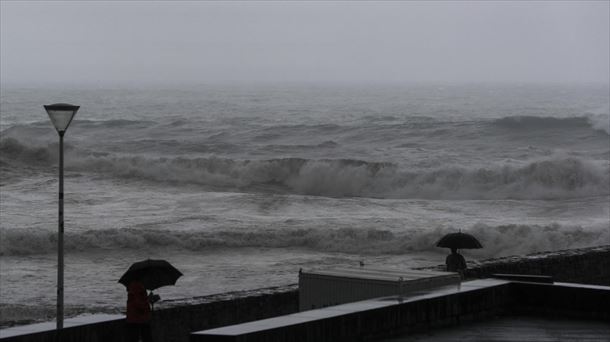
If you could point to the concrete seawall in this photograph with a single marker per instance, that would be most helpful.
(174, 321)
(425, 311)
(586, 265)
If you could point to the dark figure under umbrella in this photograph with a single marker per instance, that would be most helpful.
(141, 276)
(455, 261)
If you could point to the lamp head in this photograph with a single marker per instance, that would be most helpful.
(61, 115)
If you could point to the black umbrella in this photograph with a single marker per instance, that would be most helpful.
(153, 274)
(459, 241)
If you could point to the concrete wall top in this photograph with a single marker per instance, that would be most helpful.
(49, 327)
(388, 316)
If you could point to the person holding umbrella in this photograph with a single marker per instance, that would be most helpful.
(141, 276)
(455, 261)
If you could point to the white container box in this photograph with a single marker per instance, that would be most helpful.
(322, 288)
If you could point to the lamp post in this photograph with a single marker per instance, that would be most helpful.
(61, 115)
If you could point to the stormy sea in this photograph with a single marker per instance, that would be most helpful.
(239, 186)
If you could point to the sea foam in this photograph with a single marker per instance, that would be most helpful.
(555, 177)
(497, 240)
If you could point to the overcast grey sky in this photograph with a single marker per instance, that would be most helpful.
(106, 42)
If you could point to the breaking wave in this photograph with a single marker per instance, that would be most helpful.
(106, 124)
(497, 240)
(552, 178)
(595, 121)
(12, 151)
(600, 122)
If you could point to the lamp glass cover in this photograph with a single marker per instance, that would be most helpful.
(61, 115)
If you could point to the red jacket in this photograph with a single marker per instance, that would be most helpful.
(138, 308)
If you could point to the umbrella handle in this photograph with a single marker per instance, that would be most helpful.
(152, 299)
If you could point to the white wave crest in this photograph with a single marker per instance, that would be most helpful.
(497, 240)
(555, 177)
(599, 122)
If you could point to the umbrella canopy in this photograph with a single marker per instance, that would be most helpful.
(153, 274)
(459, 240)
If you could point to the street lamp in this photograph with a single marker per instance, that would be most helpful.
(61, 115)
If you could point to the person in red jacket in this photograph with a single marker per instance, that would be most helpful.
(138, 313)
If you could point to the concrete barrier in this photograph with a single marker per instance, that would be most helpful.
(175, 320)
(585, 265)
(92, 328)
(394, 316)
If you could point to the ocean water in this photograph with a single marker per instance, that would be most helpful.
(239, 186)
